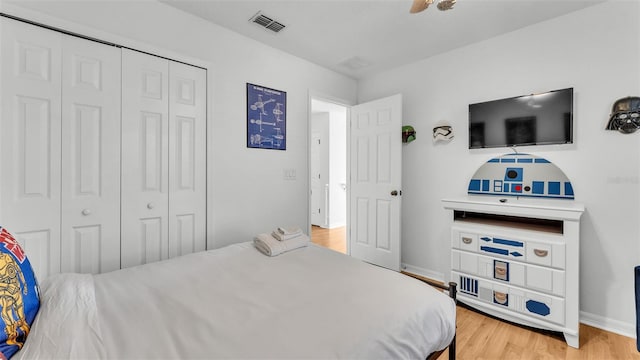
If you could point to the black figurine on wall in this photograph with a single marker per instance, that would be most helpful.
(625, 115)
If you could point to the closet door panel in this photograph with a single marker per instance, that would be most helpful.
(187, 159)
(31, 143)
(145, 128)
(90, 156)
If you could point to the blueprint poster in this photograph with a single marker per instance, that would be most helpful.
(266, 118)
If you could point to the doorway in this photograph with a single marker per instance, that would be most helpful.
(328, 174)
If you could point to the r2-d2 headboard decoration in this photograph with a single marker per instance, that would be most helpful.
(521, 175)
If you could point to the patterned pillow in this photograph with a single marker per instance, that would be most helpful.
(19, 298)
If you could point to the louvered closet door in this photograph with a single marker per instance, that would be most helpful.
(187, 159)
(31, 141)
(145, 151)
(90, 156)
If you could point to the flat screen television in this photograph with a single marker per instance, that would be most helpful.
(537, 119)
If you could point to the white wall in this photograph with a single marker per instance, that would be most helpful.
(249, 193)
(597, 52)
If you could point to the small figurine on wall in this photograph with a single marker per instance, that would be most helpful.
(625, 115)
(442, 133)
(408, 134)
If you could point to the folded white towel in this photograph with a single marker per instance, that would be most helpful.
(292, 230)
(276, 234)
(270, 246)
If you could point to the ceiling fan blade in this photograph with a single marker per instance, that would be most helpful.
(445, 5)
(420, 5)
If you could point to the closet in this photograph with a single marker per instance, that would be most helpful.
(164, 169)
(103, 157)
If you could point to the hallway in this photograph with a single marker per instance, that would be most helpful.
(334, 239)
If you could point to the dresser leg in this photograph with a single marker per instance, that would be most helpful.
(572, 340)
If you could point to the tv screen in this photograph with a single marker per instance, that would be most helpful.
(537, 119)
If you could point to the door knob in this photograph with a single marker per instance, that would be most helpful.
(86, 212)
(151, 205)
(395, 192)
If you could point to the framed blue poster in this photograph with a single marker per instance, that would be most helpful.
(266, 118)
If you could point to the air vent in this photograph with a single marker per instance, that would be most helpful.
(267, 22)
(355, 63)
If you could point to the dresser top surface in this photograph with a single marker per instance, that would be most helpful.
(568, 209)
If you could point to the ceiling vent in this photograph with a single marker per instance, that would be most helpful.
(355, 63)
(266, 22)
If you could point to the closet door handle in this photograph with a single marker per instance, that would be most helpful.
(151, 205)
(86, 212)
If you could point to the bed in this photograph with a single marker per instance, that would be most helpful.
(235, 302)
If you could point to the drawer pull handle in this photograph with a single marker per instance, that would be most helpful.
(500, 297)
(541, 253)
(500, 271)
(467, 240)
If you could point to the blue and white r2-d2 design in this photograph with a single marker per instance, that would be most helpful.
(521, 175)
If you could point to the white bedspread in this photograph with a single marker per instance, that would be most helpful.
(235, 302)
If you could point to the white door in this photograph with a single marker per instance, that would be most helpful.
(187, 159)
(376, 178)
(90, 156)
(30, 148)
(145, 199)
(317, 191)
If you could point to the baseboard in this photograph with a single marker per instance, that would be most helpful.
(433, 275)
(336, 225)
(330, 226)
(614, 326)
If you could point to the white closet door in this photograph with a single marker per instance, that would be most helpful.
(30, 146)
(90, 156)
(145, 198)
(187, 159)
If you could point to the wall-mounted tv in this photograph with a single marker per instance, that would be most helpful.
(537, 119)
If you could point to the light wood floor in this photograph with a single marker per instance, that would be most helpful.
(482, 337)
(334, 239)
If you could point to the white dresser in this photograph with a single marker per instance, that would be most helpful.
(518, 259)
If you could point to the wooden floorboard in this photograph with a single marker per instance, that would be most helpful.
(334, 239)
(481, 337)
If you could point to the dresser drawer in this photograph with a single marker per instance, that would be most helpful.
(496, 295)
(546, 254)
(535, 277)
(510, 246)
(465, 241)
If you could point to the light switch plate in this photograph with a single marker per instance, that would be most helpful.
(289, 174)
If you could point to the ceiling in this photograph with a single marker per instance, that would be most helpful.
(361, 37)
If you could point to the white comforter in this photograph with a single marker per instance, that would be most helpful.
(235, 302)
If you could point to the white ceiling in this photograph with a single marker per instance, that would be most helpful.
(380, 33)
